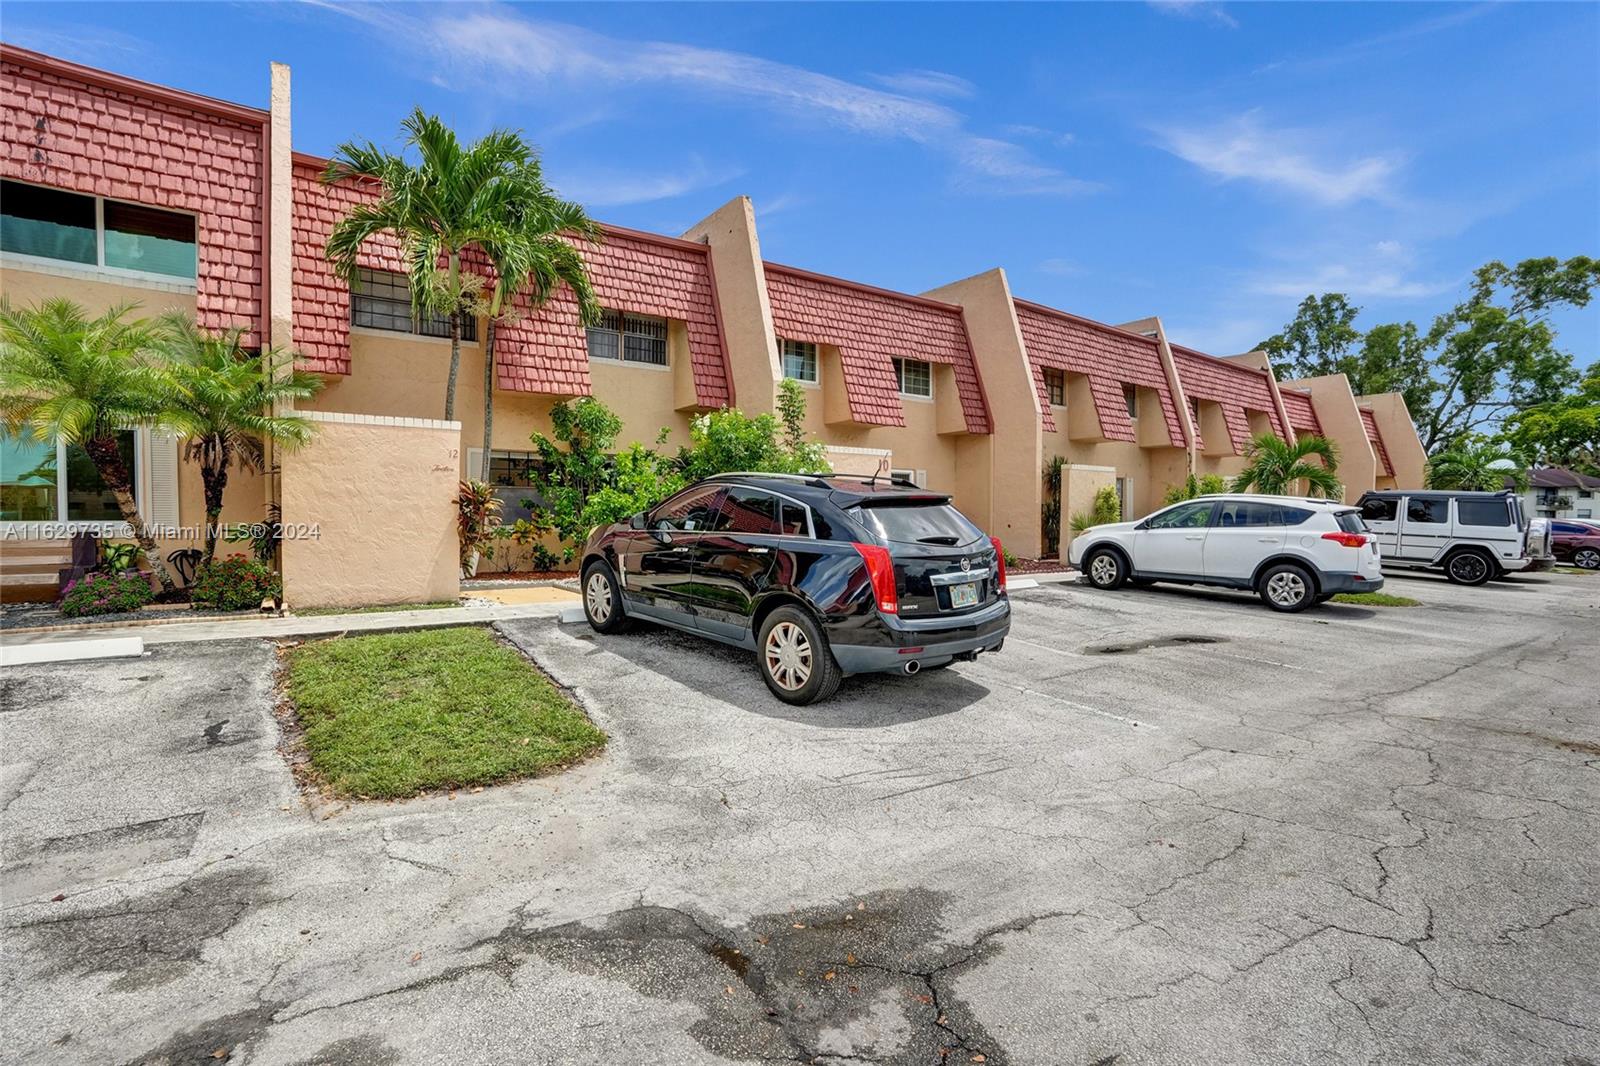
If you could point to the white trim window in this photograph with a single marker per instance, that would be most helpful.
(381, 299)
(1055, 386)
(43, 224)
(52, 482)
(914, 377)
(628, 338)
(799, 360)
(1130, 397)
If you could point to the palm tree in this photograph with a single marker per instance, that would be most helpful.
(1475, 463)
(536, 254)
(450, 203)
(1273, 466)
(224, 398)
(67, 377)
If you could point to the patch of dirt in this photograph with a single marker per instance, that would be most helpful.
(1154, 642)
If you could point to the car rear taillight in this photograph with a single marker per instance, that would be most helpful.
(880, 568)
(999, 563)
(1349, 540)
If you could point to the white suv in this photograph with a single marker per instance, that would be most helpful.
(1292, 551)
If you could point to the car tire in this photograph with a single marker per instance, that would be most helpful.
(1287, 587)
(602, 599)
(793, 656)
(1469, 567)
(1588, 558)
(1105, 569)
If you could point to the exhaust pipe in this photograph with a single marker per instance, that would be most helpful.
(911, 667)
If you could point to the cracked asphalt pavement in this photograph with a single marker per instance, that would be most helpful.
(1163, 826)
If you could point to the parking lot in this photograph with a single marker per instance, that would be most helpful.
(1162, 826)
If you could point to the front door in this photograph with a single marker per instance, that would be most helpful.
(1381, 514)
(1244, 533)
(1173, 542)
(659, 563)
(732, 561)
(1425, 530)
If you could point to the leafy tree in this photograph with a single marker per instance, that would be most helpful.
(1488, 357)
(583, 483)
(729, 439)
(1475, 463)
(1563, 432)
(535, 254)
(453, 202)
(1274, 466)
(224, 399)
(67, 377)
(1204, 485)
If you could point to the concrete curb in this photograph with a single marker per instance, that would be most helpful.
(72, 650)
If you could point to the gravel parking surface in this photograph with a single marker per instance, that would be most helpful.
(1163, 826)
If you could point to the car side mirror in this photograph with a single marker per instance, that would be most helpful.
(637, 521)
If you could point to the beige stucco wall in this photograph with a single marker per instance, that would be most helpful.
(1341, 423)
(1079, 485)
(1000, 478)
(742, 298)
(382, 499)
(1406, 456)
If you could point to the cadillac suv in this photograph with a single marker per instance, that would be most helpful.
(820, 576)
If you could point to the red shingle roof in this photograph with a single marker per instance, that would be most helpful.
(86, 131)
(1302, 415)
(1371, 422)
(1235, 387)
(871, 327)
(639, 272)
(1109, 357)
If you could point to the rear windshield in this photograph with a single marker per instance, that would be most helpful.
(1350, 521)
(916, 523)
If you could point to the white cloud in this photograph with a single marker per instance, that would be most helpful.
(1196, 9)
(1022, 129)
(506, 51)
(1243, 148)
(619, 188)
(927, 83)
(1225, 336)
(1368, 281)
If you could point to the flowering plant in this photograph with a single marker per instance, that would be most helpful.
(104, 594)
(234, 583)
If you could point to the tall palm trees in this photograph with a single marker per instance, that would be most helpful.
(1475, 463)
(67, 377)
(1273, 466)
(488, 198)
(225, 400)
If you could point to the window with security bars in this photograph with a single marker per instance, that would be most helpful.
(913, 377)
(799, 360)
(1055, 384)
(629, 338)
(382, 300)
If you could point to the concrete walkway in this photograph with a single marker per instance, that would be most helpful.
(317, 625)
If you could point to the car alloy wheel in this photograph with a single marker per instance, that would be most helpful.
(1286, 588)
(1588, 558)
(1103, 571)
(1469, 569)
(788, 656)
(597, 598)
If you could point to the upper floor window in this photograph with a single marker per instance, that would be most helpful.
(1055, 384)
(1130, 396)
(72, 228)
(799, 360)
(382, 300)
(630, 338)
(913, 377)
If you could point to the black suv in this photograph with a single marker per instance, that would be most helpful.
(821, 576)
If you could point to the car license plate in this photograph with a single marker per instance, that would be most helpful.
(964, 595)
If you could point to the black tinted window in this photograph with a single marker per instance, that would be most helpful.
(1234, 513)
(694, 511)
(1427, 512)
(748, 511)
(1350, 522)
(793, 519)
(1378, 509)
(1482, 513)
(1185, 516)
(918, 523)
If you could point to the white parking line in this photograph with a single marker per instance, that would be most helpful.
(1026, 691)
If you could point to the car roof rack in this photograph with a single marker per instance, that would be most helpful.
(814, 480)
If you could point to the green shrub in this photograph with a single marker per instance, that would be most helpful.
(105, 594)
(1107, 508)
(1204, 485)
(234, 584)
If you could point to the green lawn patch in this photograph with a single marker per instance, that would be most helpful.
(1376, 599)
(395, 714)
(379, 608)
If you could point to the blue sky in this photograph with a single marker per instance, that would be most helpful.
(1211, 163)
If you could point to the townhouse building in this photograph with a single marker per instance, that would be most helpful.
(119, 191)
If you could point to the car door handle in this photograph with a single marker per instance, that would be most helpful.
(1197, 536)
(680, 550)
(1269, 540)
(759, 551)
